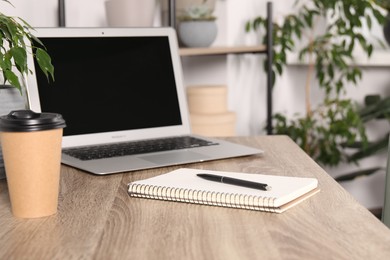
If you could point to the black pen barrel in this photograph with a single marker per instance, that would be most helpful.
(233, 181)
(244, 183)
(211, 177)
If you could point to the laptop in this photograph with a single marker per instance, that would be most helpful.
(117, 87)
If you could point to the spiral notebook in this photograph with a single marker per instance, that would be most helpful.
(183, 185)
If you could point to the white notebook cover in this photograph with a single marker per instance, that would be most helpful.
(184, 185)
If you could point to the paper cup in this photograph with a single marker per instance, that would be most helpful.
(31, 145)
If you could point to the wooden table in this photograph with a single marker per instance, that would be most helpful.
(98, 220)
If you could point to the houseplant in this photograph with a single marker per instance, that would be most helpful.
(197, 27)
(16, 40)
(325, 130)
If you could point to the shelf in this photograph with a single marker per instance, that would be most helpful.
(191, 52)
(222, 50)
(379, 58)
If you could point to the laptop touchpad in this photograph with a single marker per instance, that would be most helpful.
(174, 157)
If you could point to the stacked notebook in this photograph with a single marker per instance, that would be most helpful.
(184, 185)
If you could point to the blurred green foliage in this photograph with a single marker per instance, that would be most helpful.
(325, 131)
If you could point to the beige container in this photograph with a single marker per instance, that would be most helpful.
(32, 164)
(222, 124)
(207, 99)
(130, 13)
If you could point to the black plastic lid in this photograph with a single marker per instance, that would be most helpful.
(29, 121)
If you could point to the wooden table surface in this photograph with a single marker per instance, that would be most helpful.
(98, 220)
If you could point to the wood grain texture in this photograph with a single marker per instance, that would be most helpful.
(98, 220)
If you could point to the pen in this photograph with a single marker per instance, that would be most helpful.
(233, 181)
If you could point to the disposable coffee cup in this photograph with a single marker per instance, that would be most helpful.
(31, 144)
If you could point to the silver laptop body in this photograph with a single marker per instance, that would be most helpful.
(115, 85)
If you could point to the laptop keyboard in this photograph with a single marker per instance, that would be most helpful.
(137, 147)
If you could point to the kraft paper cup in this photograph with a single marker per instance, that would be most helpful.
(31, 145)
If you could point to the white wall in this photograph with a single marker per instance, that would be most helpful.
(242, 73)
(43, 13)
(208, 70)
(35, 12)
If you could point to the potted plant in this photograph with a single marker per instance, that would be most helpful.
(16, 41)
(325, 130)
(180, 7)
(197, 27)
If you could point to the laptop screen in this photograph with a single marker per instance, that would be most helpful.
(105, 84)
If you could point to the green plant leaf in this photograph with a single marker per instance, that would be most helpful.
(12, 78)
(379, 16)
(247, 26)
(371, 99)
(20, 57)
(372, 148)
(44, 62)
(375, 109)
(370, 49)
(369, 21)
(352, 175)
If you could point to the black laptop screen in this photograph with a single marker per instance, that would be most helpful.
(110, 83)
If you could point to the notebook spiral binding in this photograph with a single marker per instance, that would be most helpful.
(230, 200)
